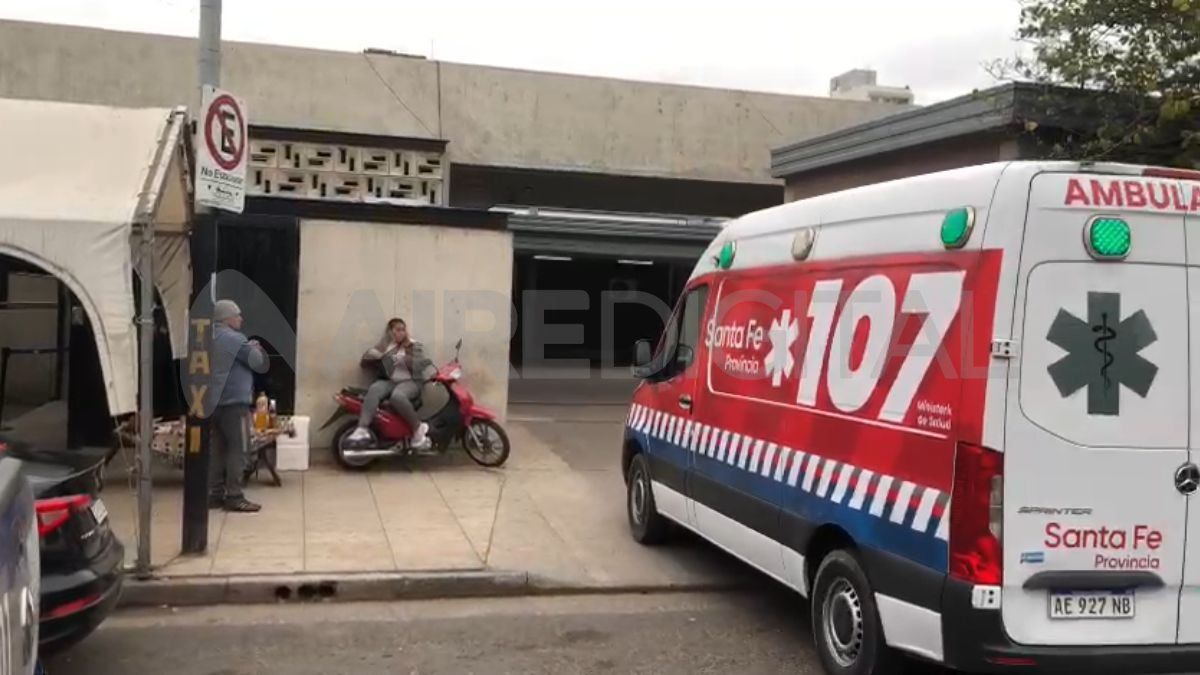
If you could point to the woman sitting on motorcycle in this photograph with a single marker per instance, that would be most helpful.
(401, 361)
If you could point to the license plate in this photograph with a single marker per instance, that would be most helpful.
(99, 511)
(1092, 605)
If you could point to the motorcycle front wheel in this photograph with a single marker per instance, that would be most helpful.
(487, 443)
(339, 446)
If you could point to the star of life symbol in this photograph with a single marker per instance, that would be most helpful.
(1102, 353)
(779, 361)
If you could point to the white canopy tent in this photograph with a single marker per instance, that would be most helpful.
(78, 185)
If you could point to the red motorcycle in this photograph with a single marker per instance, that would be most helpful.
(445, 404)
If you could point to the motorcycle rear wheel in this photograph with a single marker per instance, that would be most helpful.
(487, 443)
(338, 446)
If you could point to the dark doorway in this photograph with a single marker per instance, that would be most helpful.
(582, 298)
(264, 251)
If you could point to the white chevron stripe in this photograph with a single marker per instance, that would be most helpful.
(782, 464)
(903, 502)
(756, 455)
(713, 440)
(925, 509)
(768, 460)
(810, 473)
(943, 531)
(826, 477)
(722, 446)
(799, 457)
(839, 492)
(734, 444)
(860, 490)
(744, 455)
(881, 495)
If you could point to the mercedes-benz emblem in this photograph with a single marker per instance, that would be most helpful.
(1187, 478)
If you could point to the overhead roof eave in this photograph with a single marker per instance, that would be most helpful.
(989, 110)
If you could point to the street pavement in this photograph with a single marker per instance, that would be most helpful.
(764, 630)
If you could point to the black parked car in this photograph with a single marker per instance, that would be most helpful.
(19, 562)
(82, 560)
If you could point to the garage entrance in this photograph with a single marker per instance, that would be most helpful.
(587, 285)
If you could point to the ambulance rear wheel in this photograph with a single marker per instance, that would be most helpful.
(646, 524)
(845, 621)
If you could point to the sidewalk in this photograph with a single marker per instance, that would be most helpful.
(555, 511)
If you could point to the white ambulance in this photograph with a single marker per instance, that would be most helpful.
(955, 411)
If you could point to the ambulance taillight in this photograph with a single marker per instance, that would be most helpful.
(976, 515)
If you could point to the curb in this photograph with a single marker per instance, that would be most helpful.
(375, 587)
(270, 589)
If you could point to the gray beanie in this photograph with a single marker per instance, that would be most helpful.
(225, 310)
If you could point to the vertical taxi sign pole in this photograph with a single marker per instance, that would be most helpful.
(204, 255)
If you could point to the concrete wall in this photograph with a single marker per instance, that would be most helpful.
(446, 283)
(953, 154)
(491, 116)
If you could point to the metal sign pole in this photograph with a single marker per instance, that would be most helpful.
(204, 254)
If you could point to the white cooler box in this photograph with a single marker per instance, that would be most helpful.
(291, 454)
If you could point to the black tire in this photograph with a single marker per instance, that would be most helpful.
(646, 524)
(337, 445)
(497, 453)
(845, 621)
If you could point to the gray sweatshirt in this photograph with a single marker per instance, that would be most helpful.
(234, 363)
(394, 362)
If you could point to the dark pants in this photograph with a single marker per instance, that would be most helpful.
(398, 395)
(230, 438)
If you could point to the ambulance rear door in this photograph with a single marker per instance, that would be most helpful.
(1097, 415)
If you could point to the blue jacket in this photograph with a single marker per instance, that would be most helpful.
(234, 363)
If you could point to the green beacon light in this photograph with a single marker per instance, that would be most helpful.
(957, 226)
(725, 258)
(1108, 238)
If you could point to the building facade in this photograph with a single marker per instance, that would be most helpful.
(1000, 124)
(595, 182)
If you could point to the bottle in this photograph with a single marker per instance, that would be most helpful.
(261, 413)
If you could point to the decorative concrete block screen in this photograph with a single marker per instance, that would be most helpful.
(344, 173)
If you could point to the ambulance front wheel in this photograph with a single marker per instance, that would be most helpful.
(846, 628)
(645, 522)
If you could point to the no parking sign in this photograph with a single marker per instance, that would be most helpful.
(221, 151)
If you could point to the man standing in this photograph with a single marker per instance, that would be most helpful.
(235, 360)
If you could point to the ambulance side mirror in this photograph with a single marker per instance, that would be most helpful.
(643, 356)
(683, 357)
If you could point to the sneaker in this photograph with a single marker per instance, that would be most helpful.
(242, 505)
(421, 438)
(215, 502)
(359, 435)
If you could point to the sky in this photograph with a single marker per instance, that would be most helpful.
(937, 47)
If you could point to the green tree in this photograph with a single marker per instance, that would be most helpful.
(1139, 62)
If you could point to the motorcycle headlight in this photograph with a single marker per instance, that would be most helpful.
(455, 374)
